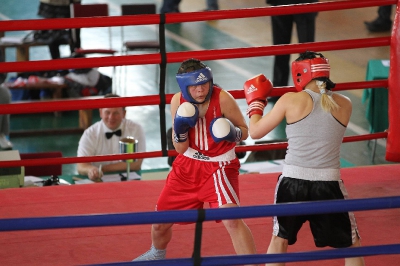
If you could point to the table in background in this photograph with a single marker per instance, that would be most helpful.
(83, 179)
(22, 45)
(85, 115)
(377, 99)
(22, 49)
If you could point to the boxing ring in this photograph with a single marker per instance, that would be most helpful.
(11, 225)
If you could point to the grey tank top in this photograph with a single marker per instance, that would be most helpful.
(314, 141)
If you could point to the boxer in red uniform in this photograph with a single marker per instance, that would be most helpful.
(207, 123)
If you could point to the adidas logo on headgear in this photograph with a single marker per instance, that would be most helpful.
(251, 89)
(201, 78)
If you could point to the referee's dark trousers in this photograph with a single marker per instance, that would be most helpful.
(282, 27)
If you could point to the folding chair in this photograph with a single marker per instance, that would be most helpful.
(132, 45)
(92, 10)
(137, 44)
(268, 155)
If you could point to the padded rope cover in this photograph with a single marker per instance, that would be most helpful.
(393, 140)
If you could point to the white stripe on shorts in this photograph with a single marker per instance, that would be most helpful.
(354, 229)
(275, 223)
(220, 176)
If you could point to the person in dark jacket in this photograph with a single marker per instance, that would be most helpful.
(59, 9)
(383, 22)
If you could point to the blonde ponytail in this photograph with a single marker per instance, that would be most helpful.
(328, 104)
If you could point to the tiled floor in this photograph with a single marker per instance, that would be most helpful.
(347, 65)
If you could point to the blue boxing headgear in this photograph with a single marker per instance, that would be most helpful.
(196, 77)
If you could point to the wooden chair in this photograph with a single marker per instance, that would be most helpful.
(42, 170)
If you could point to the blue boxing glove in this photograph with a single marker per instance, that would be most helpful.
(223, 129)
(185, 118)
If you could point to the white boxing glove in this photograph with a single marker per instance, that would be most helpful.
(185, 118)
(223, 129)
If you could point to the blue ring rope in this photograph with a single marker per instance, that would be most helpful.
(318, 207)
(219, 214)
(274, 258)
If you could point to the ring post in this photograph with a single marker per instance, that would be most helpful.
(393, 139)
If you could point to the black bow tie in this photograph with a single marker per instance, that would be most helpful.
(116, 132)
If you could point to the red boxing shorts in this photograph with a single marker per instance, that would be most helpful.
(192, 182)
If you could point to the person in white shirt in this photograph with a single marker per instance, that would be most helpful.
(102, 138)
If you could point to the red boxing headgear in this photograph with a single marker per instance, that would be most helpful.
(303, 71)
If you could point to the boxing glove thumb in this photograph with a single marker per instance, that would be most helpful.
(223, 129)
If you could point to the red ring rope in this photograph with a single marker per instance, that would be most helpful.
(156, 154)
(80, 104)
(393, 149)
(113, 21)
(176, 57)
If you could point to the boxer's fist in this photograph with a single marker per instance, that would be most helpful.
(185, 118)
(256, 91)
(223, 129)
